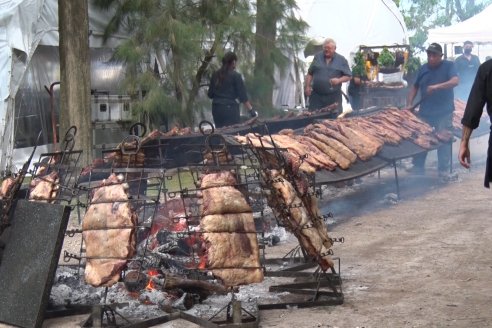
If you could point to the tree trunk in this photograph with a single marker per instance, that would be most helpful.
(73, 18)
(266, 31)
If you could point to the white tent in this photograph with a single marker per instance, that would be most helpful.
(475, 29)
(351, 23)
(24, 26)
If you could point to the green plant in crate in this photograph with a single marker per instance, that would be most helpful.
(386, 60)
(358, 68)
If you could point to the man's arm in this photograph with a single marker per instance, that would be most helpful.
(411, 96)
(340, 80)
(464, 152)
(307, 85)
(451, 83)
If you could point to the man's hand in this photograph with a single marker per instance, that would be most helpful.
(308, 91)
(432, 88)
(464, 155)
(335, 81)
(410, 108)
(253, 113)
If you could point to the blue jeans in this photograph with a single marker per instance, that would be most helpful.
(443, 152)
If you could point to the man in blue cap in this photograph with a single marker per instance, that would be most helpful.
(435, 81)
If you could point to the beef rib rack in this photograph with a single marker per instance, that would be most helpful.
(228, 230)
(108, 230)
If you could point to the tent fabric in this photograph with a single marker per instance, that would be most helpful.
(25, 25)
(475, 29)
(352, 23)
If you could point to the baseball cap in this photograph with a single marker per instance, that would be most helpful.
(435, 48)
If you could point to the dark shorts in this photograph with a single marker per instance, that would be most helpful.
(225, 115)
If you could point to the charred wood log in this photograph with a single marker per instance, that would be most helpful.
(135, 281)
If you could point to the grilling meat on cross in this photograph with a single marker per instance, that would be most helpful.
(228, 230)
(298, 211)
(7, 185)
(44, 188)
(109, 232)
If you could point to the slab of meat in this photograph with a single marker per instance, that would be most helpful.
(235, 277)
(325, 159)
(357, 146)
(425, 141)
(411, 120)
(7, 185)
(292, 159)
(229, 231)
(109, 232)
(343, 156)
(232, 250)
(356, 128)
(392, 124)
(223, 200)
(218, 179)
(373, 145)
(444, 135)
(296, 148)
(294, 214)
(366, 126)
(44, 188)
(235, 222)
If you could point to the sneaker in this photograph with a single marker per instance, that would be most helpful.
(446, 176)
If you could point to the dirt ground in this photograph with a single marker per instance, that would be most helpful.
(424, 261)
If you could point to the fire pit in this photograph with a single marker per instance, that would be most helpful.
(149, 245)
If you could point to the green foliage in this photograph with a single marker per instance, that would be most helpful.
(359, 66)
(412, 65)
(422, 15)
(188, 38)
(386, 59)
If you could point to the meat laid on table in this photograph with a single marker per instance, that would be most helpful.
(44, 188)
(109, 232)
(229, 231)
(444, 135)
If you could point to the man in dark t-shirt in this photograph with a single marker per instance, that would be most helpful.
(325, 76)
(435, 81)
(480, 95)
